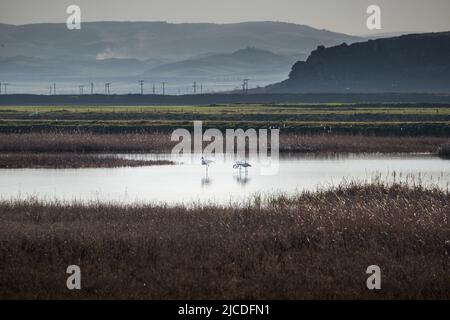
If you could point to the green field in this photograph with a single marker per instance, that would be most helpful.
(244, 109)
(404, 119)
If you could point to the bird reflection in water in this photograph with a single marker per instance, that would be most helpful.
(242, 179)
(206, 180)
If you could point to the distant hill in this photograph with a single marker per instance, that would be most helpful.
(248, 62)
(144, 40)
(34, 55)
(409, 63)
(23, 67)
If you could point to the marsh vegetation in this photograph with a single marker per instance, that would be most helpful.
(311, 245)
(367, 119)
(71, 160)
(160, 142)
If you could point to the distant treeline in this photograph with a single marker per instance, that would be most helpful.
(207, 99)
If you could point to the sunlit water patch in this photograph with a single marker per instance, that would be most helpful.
(189, 181)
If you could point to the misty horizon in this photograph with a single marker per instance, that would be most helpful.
(119, 44)
(366, 34)
(347, 16)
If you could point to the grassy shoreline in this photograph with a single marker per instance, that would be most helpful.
(70, 161)
(312, 245)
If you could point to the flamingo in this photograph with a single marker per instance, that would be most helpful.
(206, 163)
(241, 164)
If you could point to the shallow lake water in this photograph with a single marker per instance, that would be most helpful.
(190, 181)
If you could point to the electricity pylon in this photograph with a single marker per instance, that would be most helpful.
(141, 83)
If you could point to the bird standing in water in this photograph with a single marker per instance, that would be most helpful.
(206, 163)
(241, 164)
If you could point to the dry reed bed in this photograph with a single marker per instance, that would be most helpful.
(160, 142)
(314, 245)
(84, 142)
(70, 160)
(360, 143)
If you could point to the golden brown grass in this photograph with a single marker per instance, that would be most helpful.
(359, 143)
(70, 160)
(84, 142)
(313, 245)
(160, 142)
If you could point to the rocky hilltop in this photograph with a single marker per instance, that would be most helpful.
(409, 63)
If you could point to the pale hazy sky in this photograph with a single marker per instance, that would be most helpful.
(348, 16)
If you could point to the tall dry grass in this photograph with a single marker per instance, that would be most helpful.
(85, 142)
(160, 142)
(313, 245)
(359, 143)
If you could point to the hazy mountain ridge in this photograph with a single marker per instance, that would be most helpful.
(143, 40)
(23, 67)
(409, 63)
(124, 52)
(244, 62)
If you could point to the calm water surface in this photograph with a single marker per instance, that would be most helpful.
(188, 180)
